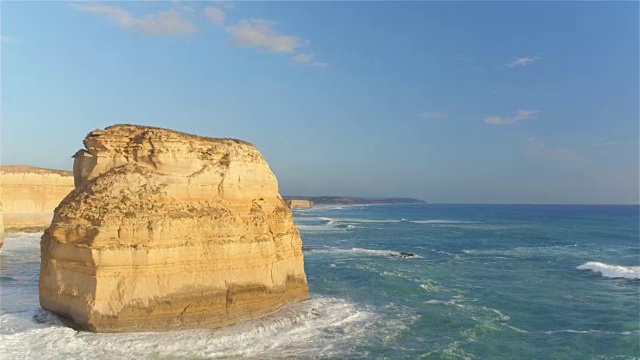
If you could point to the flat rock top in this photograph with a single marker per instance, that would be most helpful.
(133, 131)
(132, 141)
(25, 169)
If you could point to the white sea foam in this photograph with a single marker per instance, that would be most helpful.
(436, 221)
(358, 251)
(313, 228)
(326, 327)
(17, 235)
(25, 246)
(553, 250)
(573, 331)
(612, 271)
(329, 221)
(430, 287)
(21, 241)
(328, 225)
(590, 331)
(349, 220)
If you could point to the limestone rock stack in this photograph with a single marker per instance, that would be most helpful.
(167, 230)
(299, 204)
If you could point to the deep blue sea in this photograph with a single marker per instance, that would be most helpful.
(486, 282)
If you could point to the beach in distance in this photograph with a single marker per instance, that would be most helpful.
(487, 282)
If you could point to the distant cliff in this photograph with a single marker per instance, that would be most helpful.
(30, 194)
(342, 200)
(299, 203)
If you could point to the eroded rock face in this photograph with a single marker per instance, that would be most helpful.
(167, 230)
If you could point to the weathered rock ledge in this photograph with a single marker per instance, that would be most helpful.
(167, 230)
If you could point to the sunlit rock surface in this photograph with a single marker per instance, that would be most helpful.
(167, 230)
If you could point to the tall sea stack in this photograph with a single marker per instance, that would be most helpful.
(167, 230)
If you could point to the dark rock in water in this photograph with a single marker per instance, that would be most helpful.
(405, 255)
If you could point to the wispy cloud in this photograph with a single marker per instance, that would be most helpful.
(522, 61)
(307, 60)
(505, 120)
(182, 7)
(161, 23)
(541, 148)
(8, 39)
(250, 33)
(258, 33)
(215, 14)
(432, 115)
(613, 143)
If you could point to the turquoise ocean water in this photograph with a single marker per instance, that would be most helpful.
(486, 282)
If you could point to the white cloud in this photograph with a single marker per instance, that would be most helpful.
(504, 120)
(215, 15)
(307, 60)
(161, 23)
(258, 33)
(554, 153)
(522, 61)
(611, 143)
(432, 115)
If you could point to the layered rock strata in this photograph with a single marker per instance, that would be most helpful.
(299, 204)
(167, 230)
(30, 194)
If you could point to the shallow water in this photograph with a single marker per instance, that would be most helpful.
(487, 282)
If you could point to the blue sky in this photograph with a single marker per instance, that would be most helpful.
(491, 102)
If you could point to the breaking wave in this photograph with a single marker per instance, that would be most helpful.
(319, 228)
(612, 271)
(358, 251)
(327, 326)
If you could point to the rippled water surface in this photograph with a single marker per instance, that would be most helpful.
(485, 282)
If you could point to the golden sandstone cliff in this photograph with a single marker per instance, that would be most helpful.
(167, 230)
(30, 194)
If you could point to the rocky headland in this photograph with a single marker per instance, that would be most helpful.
(166, 230)
(29, 195)
(345, 200)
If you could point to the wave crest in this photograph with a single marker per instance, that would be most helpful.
(359, 251)
(612, 271)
